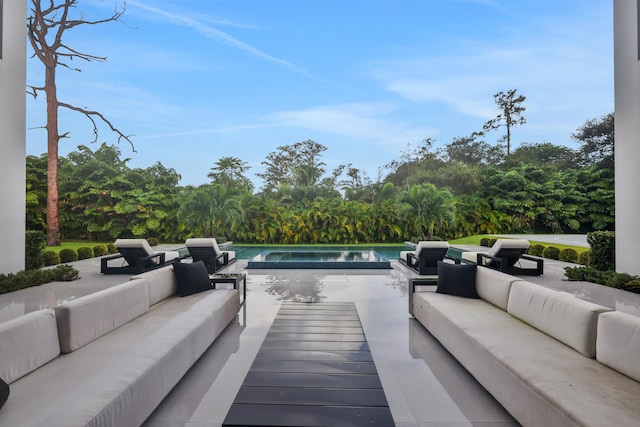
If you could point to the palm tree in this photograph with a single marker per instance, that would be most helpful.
(208, 209)
(427, 206)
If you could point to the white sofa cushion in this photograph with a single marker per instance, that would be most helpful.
(162, 283)
(26, 343)
(494, 286)
(119, 379)
(538, 379)
(566, 318)
(87, 318)
(618, 343)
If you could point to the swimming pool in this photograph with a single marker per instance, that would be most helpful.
(249, 251)
(319, 259)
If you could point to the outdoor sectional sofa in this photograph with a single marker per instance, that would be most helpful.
(108, 358)
(549, 358)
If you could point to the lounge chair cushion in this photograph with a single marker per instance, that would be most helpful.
(495, 249)
(208, 242)
(508, 244)
(144, 245)
(457, 279)
(192, 278)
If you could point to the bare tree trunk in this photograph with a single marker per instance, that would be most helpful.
(53, 221)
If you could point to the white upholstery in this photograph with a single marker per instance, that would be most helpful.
(493, 251)
(26, 343)
(424, 244)
(618, 343)
(144, 245)
(539, 380)
(120, 378)
(494, 287)
(161, 285)
(566, 318)
(508, 244)
(205, 242)
(85, 319)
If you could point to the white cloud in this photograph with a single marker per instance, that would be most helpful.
(368, 123)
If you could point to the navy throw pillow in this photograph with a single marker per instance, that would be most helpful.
(457, 279)
(192, 278)
(4, 392)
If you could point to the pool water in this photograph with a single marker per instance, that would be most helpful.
(319, 259)
(248, 252)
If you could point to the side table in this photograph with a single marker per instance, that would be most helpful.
(234, 279)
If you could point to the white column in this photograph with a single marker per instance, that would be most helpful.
(12, 135)
(627, 135)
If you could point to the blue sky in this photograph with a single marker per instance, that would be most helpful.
(197, 80)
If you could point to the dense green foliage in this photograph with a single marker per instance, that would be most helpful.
(34, 246)
(467, 187)
(25, 279)
(603, 250)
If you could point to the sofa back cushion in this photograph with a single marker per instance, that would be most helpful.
(26, 343)
(494, 286)
(87, 318)
(162, 283)
(618, 343)
(566, 318)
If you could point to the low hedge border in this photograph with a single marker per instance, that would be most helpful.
(28, 278)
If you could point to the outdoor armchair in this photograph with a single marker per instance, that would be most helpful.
(207, 251)
(505, 255)
(137, 257)
(424, 260)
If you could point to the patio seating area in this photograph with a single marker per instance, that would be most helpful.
(423, 383)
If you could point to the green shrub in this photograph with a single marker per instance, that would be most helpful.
(632, 286)
(617, 280)
(100, 250)
(568, 255)
(551, 252)
(587, 274)
(152, 241)
(222, 239)
(492, 242)
(85, 252)
(111, 248)
(536, 250)
(583, 257)
(68, 255)
(484, 241)
(34, 246)
(28, 278)
(51, 258)
(603, 250)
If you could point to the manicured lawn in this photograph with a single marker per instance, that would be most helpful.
(475, 240)
(73, 245)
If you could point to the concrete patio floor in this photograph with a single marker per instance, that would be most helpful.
(424, 384)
